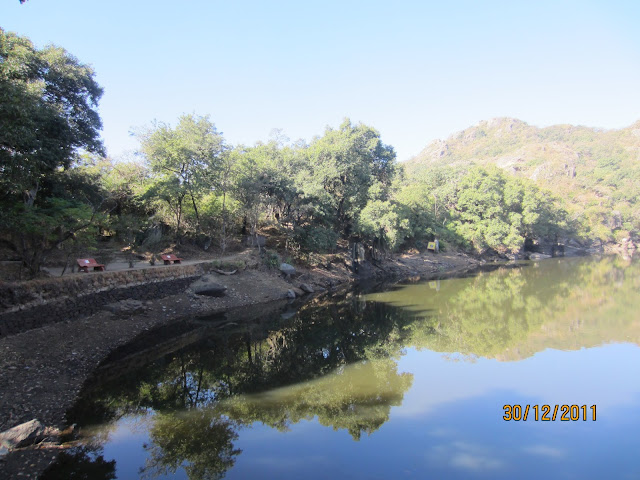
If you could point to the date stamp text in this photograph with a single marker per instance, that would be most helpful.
(549, 413)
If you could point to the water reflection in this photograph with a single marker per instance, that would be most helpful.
(335, 360)
(360, 361)
(200, 441)
(84, 462)
(357, 398)
(512, 313)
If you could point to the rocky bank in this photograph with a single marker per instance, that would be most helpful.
(43, 369)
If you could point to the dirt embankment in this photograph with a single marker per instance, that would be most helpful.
(42, 370)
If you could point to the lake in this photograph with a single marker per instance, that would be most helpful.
(410, 381)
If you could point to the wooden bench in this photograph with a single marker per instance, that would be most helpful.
(170, 258)
(85, 263)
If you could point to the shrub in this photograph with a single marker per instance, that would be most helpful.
(316, 239)
(270, 259)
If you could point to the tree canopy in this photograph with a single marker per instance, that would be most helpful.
(343, 165)
(186, 161)
(48, 117)
(345, 186)
(48, 112)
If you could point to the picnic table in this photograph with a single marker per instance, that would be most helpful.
(168, 259)
(84, 264)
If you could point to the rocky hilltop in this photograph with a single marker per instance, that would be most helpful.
(596, 172)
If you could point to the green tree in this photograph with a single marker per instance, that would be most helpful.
(36, 230)
(48, 115)
(250, 187)
(498, 212)
(426, 200)
(381, 223)
(342, 166)
(125, 183)
(186, 161)
(48, 112)
(224, 185)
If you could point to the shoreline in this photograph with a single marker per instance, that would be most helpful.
(43, 370)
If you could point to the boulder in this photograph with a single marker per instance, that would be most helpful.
(211, 290)
(291, 294)
(23, 435)
(126, 307)
(305, 287)
(287, 269)
(206, 286)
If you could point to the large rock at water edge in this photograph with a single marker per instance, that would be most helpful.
(22, 435)
(288, 270)
(207, 287)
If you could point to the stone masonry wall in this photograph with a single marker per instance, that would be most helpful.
(28, 305)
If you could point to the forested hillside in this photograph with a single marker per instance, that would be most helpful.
(595, 172)
(482, 190)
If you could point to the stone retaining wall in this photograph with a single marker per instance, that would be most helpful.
(28, 305)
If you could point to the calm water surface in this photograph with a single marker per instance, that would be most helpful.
(405, 383)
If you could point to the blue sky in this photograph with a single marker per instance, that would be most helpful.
(415, 70)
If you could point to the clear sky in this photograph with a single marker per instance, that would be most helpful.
(414, 70)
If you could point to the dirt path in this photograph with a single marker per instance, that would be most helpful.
(121, 265)
(42, 370)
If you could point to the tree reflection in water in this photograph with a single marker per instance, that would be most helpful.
(512, 313)
(199, 440)
(336, 360)
(81, 463)
(357, 398)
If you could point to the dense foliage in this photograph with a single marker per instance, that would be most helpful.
(483, 208)
(595, 172)
(48, 103)
(189, 185)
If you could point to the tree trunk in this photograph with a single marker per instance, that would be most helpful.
(223, 241)
(195, 209)
(178, 212)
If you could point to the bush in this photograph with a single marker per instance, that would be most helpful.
(270, 259)
(316, 239)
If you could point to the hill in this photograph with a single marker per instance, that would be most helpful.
(596, 172)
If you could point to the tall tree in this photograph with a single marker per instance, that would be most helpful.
(48, 116)
(343, 165)
(186, 160)
(48, 112)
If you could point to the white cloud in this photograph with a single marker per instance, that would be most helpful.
(545, 450)
(466, 456)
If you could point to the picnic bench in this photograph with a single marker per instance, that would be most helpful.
(170, 258)
(84, 264)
